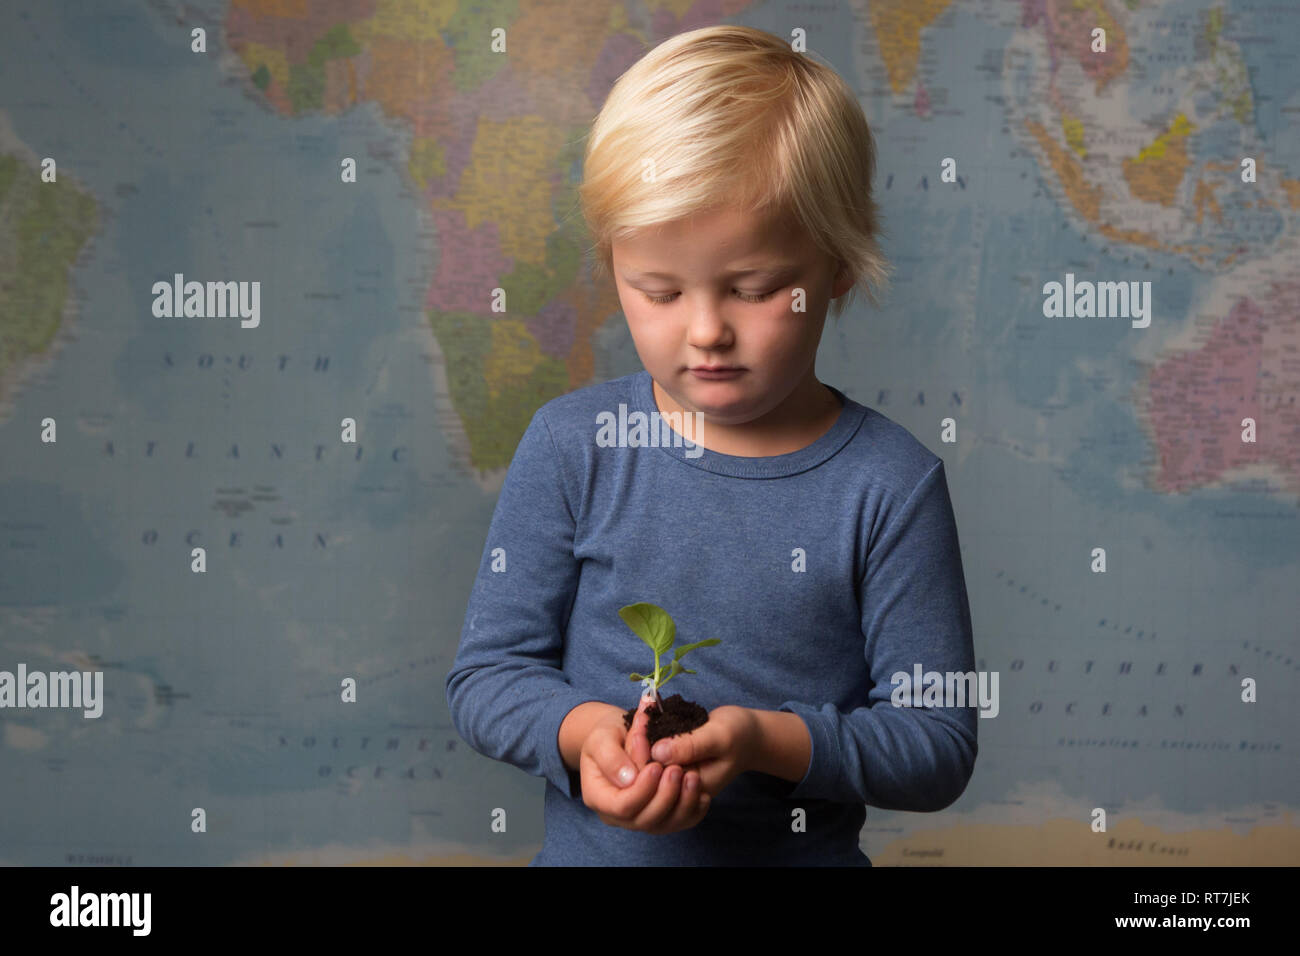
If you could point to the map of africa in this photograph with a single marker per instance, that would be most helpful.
(1170, 157)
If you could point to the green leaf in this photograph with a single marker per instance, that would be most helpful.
(651, 623)
(685, 649)
(638, 677)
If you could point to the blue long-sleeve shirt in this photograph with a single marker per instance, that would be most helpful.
(824, 572)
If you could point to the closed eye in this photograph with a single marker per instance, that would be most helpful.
(665, 299)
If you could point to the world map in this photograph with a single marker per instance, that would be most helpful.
(214, 139)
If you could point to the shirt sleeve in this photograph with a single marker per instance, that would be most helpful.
(506, 691)
(914, 611)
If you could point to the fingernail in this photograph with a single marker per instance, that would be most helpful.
(661, 751)
(626, 776)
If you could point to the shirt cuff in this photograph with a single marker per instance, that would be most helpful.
(823, 762)
(552, 763)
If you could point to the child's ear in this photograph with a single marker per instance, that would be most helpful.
(843, 281)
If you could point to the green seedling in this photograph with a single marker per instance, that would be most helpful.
(653, 625)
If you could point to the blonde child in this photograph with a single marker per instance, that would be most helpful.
(727, 183)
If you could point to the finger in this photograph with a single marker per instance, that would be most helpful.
(685, 749)
(661, 806)
(637, 744)
(687, 812)
(621, 804)
(706, 801)
(612, 757)
(627, 803)
(711, 776)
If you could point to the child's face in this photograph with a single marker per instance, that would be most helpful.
(713, 316)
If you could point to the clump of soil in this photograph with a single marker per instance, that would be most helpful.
(676, 716)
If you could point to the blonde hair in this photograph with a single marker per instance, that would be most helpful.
(731, 116)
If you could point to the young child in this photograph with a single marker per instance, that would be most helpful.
(727, 182)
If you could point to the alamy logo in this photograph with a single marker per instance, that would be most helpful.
(949, 689)
(218, 300)
(1084, 300)
(102, 909)
(55, 689)
(657, 430)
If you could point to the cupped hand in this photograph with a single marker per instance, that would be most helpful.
(721, 748)
(625, 788)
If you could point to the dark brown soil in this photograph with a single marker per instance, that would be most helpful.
(678, 716)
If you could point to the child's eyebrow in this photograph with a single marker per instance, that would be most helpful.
(771, 271)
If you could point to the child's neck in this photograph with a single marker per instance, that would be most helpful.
(809, 412)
